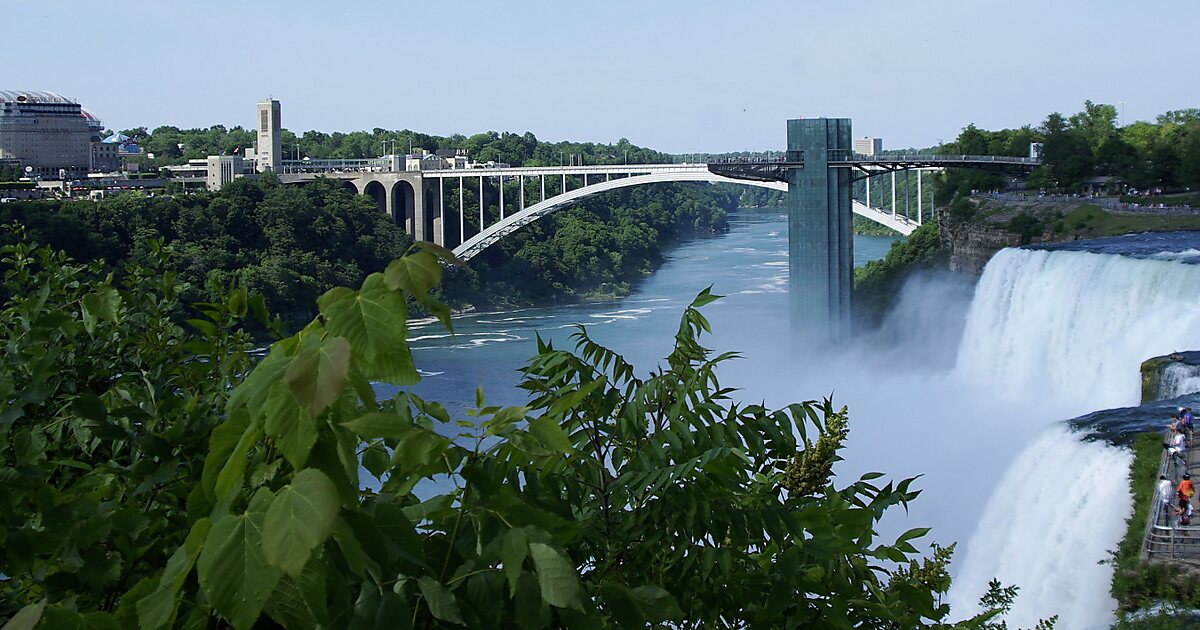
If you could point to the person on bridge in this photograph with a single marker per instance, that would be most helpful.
(1175, 446)
(1186, 489)
(1184, 511)
(1164, 495)
(1186, 421)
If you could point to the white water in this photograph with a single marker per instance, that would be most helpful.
(1178, 379)
(1075, 326)
(1058, 510)
(1071, 328)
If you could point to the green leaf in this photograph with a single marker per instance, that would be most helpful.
(513, 548)
(160, 607)
(373, 321)
(232, 474)
(911, 534)
(100, 305)
(415, 273)
(418, 449)
(252, 393)
(300, 603)
(236, 303)
(225, 438)
(380, 425)
(294, 431)
(231, 569)
(704, 297)
(657, 604)
(318, 373)
(442, 603)
(27, 618)
(63, 618)
(300, 518)
(549, 434)
(556, 576)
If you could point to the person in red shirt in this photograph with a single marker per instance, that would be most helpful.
(1186, 488)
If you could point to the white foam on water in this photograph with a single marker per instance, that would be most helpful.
(1057, 511)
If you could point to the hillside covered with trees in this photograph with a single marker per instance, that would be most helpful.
(1164, 154)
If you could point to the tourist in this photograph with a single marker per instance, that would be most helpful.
(1175, 446)
(1164, 494)
(1184, 511)
(1186, 489)
(1185, 422)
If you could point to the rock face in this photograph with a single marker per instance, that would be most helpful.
(972, 244)
(1170, 376)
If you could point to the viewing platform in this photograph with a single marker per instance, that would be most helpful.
(1165, 540)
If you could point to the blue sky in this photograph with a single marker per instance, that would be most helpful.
(680, 76)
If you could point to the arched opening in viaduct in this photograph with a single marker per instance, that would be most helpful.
(349, 187)
(404, 207)
(376, 191)
(433, 217)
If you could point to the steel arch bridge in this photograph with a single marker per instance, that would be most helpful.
(627, 176)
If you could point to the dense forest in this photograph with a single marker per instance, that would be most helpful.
(1164, 154)
(293, 243)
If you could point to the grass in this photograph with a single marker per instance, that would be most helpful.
(1090, 220)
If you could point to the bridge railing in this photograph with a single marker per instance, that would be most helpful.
(933, 158)
(1165, 539)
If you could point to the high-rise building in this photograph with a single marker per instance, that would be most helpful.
(47, 133)
(269, 151)
(868, 146)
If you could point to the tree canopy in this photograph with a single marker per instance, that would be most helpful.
(157, 475)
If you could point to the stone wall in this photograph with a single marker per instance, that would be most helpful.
(972, 244)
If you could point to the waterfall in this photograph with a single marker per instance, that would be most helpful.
(1069, 328)
(1178, 379)
(1058, 510)
(1075, 326)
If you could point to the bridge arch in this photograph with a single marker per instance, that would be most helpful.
(378, 193)
(404, 206)
(349, 187)
(513, 222)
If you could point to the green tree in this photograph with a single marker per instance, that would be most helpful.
(154, 480)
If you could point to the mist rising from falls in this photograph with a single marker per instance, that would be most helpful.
(1070, 327)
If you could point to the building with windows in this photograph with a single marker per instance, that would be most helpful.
(868, 146)
(46, 132)
(269, 150)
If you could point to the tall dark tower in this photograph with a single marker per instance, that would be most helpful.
(820, 247)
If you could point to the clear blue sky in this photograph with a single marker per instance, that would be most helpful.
(677, 75)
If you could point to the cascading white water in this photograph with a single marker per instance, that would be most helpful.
(1072, 328)
(1075, 326)
(1178, 379)
(1059, 509)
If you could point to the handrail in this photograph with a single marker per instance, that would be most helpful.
(1158, 534)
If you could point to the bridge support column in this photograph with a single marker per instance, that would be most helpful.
(501, 186)
(420, 212)
(481, 204)
(462, 215)
(440, 219)
(893, 195)
(543, 182)
(919, 196)
(820, 249)
(521, 197)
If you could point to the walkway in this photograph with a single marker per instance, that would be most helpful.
(1165, 540)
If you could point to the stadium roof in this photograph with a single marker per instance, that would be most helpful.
(33, 96)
